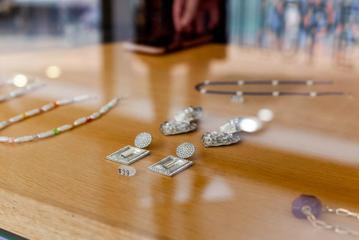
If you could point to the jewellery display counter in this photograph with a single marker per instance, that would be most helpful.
(63, 187)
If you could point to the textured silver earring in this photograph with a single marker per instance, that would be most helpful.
(171, 165)
(130, 154)
(229, 133)
(183, 122)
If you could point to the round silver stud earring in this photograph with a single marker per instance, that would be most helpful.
(185, 150)
(143, 140)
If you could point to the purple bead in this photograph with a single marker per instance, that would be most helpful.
(309, 201)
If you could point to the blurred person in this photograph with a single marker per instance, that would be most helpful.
(312, 21)
(199, 17)
(320, 25)
(192, 15)
(331, 25)
(347, 29)
(263, 21)
(331, 16)
(5, 5)
(153, 25)
(162, 26)
(277, 22)
(303, 32)
(292, 24)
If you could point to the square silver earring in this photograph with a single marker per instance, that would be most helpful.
(130, 154)
(171, 165)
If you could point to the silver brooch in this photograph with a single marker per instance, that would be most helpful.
(130, 154)
(171, 165)
(183, 122)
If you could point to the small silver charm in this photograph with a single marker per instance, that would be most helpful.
(126, 171)
(171, 165)
(183, 122)
(129, 154)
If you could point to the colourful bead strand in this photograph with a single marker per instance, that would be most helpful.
(55, 131)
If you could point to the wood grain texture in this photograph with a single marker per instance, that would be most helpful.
(63, 188)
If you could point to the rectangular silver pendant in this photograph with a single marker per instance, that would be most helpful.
(170, 166)
(128, 155)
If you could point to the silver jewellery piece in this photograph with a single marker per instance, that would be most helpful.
(126, 171)
(217, 138)
(322, 224)
(183, 122)
(143, 140)
(238, 96)
(342, 212)
(175, 127)
(129, 154)
(309, 207)
(242, 124)
(185, 150)
(229, 133)
(189, 114)
(171, 165)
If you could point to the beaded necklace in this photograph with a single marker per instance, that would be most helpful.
(58, 130)
(21, 90)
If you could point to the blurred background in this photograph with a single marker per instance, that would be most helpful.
(37, 24)
(324, 27)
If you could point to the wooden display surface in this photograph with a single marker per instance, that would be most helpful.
(63, 188)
